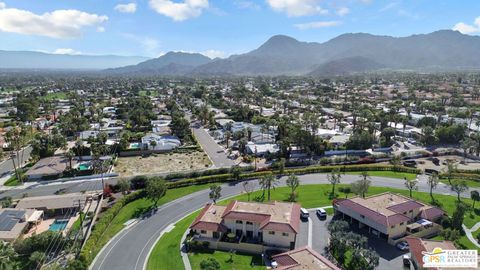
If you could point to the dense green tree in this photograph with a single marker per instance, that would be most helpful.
(215, 193)
(155, 189)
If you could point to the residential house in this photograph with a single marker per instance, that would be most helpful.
(156, 142)
(249, 226)
(15, 222)
(302, 259)
(420, 247)
(390, 216)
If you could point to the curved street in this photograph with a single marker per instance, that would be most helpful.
(130, 248)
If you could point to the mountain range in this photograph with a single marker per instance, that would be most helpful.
(40, 60)
(443, 50)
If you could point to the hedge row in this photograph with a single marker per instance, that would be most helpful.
(469, 176)
(92, 247)
(227, 177)
(196, 174)
(352, 168)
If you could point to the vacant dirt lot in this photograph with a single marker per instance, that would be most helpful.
(161, 163)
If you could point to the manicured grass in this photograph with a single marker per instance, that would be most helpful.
(56, 96)
(391, 174)
(310, 196)
(166, 253)
(137, 208)
(239, 260)
(12, 182)
(470, 183)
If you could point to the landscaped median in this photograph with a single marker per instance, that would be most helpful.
(166, 252)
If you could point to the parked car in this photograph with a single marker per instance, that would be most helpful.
(304, 213)
(321, 213)
(403, 246)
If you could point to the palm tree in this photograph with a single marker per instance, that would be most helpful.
(432, 182)
(267, 183)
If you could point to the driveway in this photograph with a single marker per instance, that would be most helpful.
(390, 256)
(216, 153)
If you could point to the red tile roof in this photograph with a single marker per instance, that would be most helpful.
(405, 207)
(417, 247)
(432, 213)
(373, 215)
(286, 261)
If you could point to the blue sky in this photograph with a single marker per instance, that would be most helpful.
(214, 27)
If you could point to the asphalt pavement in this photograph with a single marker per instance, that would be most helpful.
(129, 250)
(214, 151)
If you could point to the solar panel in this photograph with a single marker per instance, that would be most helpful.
(10, 218)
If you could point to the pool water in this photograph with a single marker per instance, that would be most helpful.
(58, 225)
(134, 145)
(83, 167)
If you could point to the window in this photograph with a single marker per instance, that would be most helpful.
(404, 213)
(393, 226)
(203, 232)
(249, 223)
(402, 223)
(271, 232)
(362, 216)
(285, 234)
(239, 222)
(411, 211)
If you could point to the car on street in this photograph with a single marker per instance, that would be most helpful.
(321, 213)
(403, 246)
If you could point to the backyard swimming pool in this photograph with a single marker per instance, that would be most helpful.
(135, 145)
(84, 166)
(58, 225)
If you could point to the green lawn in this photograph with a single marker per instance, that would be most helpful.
(310, 196)
(138, 207)
(470, 183)
(166, 253)
(12, 181)
(239, 260)
(56, 96)
(399, 175)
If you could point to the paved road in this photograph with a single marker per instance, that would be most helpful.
(130, 249)
(50, 189)
(7, 166)
(213, 150)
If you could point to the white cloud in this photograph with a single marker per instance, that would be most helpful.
(66, 51)
(56, 24)
(297, 8)
(126, 8)
(468, 28)
(318, 24)
(2, 5)
(179, 11)
(214, 54)
(343, 11)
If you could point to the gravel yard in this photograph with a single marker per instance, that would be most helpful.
(161, 163)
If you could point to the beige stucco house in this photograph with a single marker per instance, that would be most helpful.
(248, 226)
(390, 216)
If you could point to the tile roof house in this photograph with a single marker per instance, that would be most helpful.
(303, 259)
(419, 246)
(273, 224)
(388, 214)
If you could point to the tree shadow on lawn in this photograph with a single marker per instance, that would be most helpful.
(145, 212)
